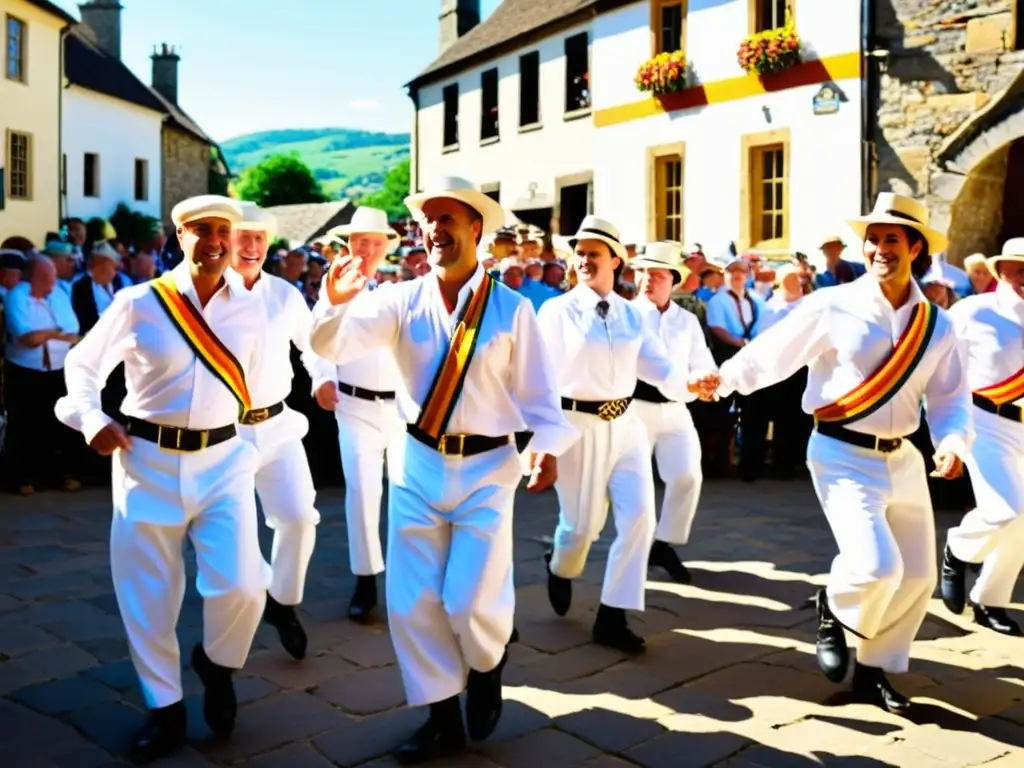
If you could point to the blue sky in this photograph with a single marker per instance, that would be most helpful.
(254, 65)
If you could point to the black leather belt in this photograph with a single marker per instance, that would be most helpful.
(1007, 410)
(459, 445)
(609, 410)
(648, 393)
(259, 415)
(364, 394)
(179, 440)
(861, 440)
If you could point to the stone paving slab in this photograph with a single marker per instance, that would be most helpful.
(729, 678)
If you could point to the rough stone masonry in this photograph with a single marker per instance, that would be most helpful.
(946, 119)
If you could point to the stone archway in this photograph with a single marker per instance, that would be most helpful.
(980, 163)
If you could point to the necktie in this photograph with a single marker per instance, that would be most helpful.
(602, 308)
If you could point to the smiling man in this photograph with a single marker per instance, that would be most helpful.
(876, 348)
(472, 361)
(283, 481)
(362, 396)
(190, 343)
(991, 329)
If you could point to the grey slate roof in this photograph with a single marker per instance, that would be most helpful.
(89, 66)
(504, 29)
(307, 221)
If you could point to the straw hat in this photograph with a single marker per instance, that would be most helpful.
(206, 207)
(662, 255)
(367, 221)
(891, 208)
(467, 193)
(255, 218)
(1013, 250)
(596, 228)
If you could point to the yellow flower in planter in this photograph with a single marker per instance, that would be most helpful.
(664, 73)
(770, 51)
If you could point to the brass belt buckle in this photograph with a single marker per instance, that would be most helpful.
(258, 416)
(442, 445)
(612, 409)
(160, 439)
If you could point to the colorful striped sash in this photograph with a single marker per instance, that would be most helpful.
(451, 374)
(880, 387)
(204, 342)
(1006, 391)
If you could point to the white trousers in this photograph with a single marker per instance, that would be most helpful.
(285, 487)
(449, 587)
(364, 431)
(881, 517)
(611, 460)
(993, 531)
(159, 499)
(671, 433)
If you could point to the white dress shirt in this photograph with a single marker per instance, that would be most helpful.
(289, 322)
(844, 335)
(25, 313)
(680, 332)
(103, 295)
(376, 370)
(509, 385)
(600, 359)
(990, 327)
(166, 382)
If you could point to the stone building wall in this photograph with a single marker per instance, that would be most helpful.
(947, 60)
(186, 169)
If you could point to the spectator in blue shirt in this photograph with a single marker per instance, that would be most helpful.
(837, 270)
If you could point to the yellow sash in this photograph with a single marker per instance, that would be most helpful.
(204, 342)
(451, 374)
(1006, 391)
(880, 387)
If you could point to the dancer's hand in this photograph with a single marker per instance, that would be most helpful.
(948, 465)
(327, 395)
(706, 386)
(543, 472)
(109, 439)
(344, 279)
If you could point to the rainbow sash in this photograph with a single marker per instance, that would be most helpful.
(880, 387)
(1006, 391)
(204, 342)
(451, 374)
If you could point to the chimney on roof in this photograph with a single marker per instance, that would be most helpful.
(103, 17)
(165, 71)
(457, 18)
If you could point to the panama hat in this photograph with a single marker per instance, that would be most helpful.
(1013, 250)
(891, 208)
(595, 228)
(254, 217)
(467, 193)
(662, 255)
(206, 207)
(367, 221)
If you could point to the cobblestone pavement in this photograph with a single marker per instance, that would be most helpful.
(729, 677)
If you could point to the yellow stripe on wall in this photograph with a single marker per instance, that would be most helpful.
(842, 67)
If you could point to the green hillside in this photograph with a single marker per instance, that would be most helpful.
(347, 162)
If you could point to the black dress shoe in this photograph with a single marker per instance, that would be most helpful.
(559, 590)
(441, 736)
(163, 734)
(871, 686)
(483, 701)
(831, 649)
(952, 582)
(364, 599)
(665, 557)
(220, 707)
(612, 630)
(289, 629)
(996, 619)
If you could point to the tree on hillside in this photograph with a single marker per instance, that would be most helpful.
(391, 197)
(280, 180)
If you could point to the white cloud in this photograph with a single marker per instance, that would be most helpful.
(364, 104)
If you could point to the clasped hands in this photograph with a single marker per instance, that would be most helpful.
(705, 386)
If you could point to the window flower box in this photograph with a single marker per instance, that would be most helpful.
(771, 51)
(664, 73)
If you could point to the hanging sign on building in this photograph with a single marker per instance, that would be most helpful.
(826, 100)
